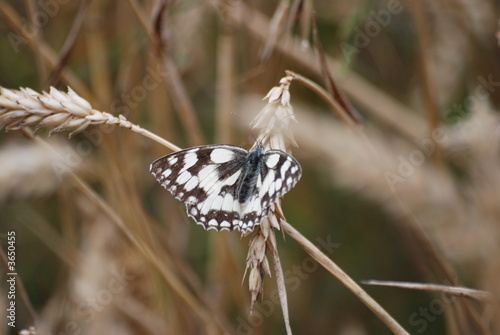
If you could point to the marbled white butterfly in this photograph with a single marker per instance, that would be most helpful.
(227, 187)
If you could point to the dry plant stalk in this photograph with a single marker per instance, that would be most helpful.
(274, 120)
(479, 295)
(275, 133)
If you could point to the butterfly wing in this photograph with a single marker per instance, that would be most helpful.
(205, 179)
(208, 178)
(279, 173)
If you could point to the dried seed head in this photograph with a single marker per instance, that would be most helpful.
(257, 249)
(275, 118)
(56, 110)
(273, 121)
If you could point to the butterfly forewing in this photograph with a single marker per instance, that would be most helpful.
(283, 172)
(215, 182)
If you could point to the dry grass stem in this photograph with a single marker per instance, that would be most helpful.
(39, 47)
(183, 104)
(275, 133)
(69, 44)
(478, 295)
(347, 110)
(279, 100)
(334, 104)
(157, 32)
(335, 270)
(384, 107)
(427, 85)
(225, 85)
(306, 18)
(419, 200)
(277, 26)
(37, 34)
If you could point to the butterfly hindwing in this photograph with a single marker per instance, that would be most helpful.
(227, 187)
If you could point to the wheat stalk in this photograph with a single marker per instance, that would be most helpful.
(273, 122)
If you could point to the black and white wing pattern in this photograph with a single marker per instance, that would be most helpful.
(227, 187)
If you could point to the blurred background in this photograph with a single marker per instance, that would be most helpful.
(409, 195)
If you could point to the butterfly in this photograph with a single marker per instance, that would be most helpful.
(227, 187)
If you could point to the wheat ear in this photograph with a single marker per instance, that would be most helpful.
(274, 133)
(274, 120)
(59, 111)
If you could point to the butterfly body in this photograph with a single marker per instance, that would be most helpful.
(226, 187)
(249, 181)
